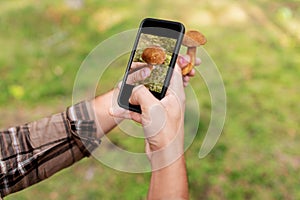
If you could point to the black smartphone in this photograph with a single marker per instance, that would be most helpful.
(152, 59)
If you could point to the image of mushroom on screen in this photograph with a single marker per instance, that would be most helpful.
(151, 61)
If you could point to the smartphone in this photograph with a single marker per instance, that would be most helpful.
(152, 59)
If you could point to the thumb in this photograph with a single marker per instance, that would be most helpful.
(143, 97)
(153, 115)
(138, 75)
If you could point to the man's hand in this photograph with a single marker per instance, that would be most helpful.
(164, 135)
(183, 61)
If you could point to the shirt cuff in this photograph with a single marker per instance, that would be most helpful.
(83, 126)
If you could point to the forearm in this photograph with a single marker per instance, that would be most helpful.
(169, 182)
(102, 104)
(34, 151)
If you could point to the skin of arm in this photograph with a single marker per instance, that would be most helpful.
(169, 182)
(164, 131)
(102, 104)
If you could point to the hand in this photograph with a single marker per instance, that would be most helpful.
(162, 120)
(138, 72)
(183, 61)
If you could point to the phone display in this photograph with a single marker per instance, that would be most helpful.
(152, 59)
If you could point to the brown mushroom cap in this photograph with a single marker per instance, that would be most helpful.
(154, 55)
(193, 39)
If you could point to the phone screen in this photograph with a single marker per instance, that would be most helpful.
(152, 59)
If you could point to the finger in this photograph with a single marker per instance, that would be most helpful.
(142, 96)
(198, 61)
(115, 110)
(176, 83)
(192, 73)
(153, 114)
(139, 75)
(183, 60)
(136, 65)
(121, 113)
(186, 79)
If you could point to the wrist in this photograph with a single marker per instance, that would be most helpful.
(102, 104)
(167, 155)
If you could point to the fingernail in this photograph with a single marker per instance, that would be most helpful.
(184, 60)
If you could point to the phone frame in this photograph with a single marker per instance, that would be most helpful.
(157, 27)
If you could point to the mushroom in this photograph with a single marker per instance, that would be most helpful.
(192, 39)
(154, 55)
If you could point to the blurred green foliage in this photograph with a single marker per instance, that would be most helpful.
(255, 45)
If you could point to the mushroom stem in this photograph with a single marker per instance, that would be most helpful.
(191, 51)
(192, 40)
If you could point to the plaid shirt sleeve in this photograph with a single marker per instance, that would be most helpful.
(32, 152)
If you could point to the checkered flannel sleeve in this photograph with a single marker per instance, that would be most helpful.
(32, 152)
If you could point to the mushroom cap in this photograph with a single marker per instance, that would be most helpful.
(154, 55)
(193, 39)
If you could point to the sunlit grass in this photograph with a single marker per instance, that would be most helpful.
(254, 46)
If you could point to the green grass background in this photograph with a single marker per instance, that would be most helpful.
(255, 45)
